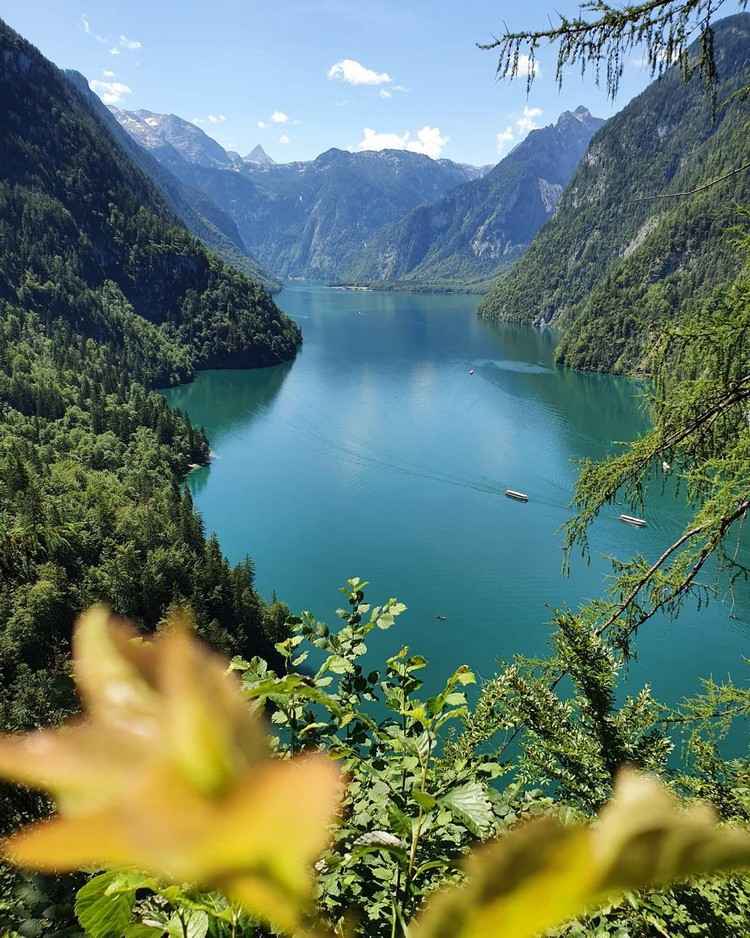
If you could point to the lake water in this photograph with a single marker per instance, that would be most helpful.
(378, 454)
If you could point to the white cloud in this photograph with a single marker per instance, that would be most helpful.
(514, 132)
(526, 67)
(372, 140)
(114, 51)
(384, 93)
(662, 58)
(279, 118)
(211, 119)
(126, 43)
(108, 73)
(111, 92)
(527, 121)
(428, 140)
(354, 73)
(87, 28)
(284, 138)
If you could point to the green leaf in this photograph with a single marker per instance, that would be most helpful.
(339, 665)
(470, 804)
(196, 925)
(399, 820)
(104, 915)
(423, 799)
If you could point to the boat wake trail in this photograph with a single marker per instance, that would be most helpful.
(358, 454)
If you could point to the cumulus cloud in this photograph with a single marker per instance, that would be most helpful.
(384, 93)
(211, 119)
(108, 73)
(526, 67)
(114, 51)
(126, 43)
(279, 118)
(527, 121)
(284, 139)
(111, 92)
(428, 140)
(354, 73)
(514, 132)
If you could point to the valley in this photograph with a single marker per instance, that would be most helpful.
(373, 544)
(380, 420)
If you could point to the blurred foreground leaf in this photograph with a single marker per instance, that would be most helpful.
(545, 873)
(169, 772)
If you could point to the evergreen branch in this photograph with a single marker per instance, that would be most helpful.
(664, 26)
(703, 556)
(708, 549)
(639, 15)
(647, 576)
(717, 714)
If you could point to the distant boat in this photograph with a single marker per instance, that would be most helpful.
(629, 519)
(519, 496)
(471, 371)
(442, 618)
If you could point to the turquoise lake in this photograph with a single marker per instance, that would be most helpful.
(378, 454)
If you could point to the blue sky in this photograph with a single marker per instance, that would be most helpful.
(300, 76)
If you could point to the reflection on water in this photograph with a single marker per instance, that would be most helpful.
(379, 453)
(228, 399)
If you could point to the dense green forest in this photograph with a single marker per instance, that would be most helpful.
(104, 296)
(620, 256)
(87, 237)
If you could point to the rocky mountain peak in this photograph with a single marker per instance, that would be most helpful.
(259, 155)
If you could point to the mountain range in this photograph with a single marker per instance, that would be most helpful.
(486, 223)
(197, 212)
(301, 219)
(640, 232)
(374, 216)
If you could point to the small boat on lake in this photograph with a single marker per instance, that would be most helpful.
(519, 496)
(471, 371)
(637, 522)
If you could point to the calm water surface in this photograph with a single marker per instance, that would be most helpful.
(377, 454)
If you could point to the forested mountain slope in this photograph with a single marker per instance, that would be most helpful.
(303, 219)
(86, 236)
(619, 257)
(102, 296)
(195, 210)
(487, 223)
